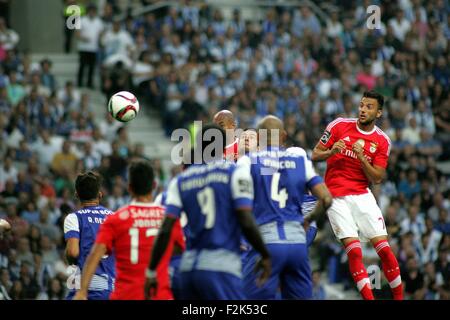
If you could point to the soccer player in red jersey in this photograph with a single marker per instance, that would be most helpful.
(357, 152)
(130, 233)
(225, 120)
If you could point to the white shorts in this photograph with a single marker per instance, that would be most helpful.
(356, 216)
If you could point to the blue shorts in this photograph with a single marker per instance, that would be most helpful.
(92, 295)
(174, 272)
(210, 285)
(291, 273)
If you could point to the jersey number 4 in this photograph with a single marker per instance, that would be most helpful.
(280, 196)
(207, 205)
(134, 243)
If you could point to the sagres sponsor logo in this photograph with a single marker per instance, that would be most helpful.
(374, 17)
(73, 21)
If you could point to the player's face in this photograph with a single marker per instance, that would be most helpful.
(249, 141)
(368, 110)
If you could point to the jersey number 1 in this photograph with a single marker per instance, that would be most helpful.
(280, 196)
(134, 243)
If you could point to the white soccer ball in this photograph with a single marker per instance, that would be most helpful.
(123, 106)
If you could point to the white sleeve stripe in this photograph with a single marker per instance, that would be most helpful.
(338, 120)
(71, 223)
(309, 169)
(173, 194)
(379, 131)
(242, 174)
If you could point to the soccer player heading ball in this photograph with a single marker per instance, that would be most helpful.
(357, 152)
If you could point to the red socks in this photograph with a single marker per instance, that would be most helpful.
(390, 268)
(357, 269)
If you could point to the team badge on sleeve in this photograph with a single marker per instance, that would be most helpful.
(325, 137)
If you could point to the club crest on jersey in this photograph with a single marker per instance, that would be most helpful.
(361, 142)
(325, 137)
(373, 147)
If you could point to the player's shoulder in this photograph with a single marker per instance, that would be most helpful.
(206, 168)
(296, 151)
(105, 210)
(120, 214)
(339, 122)
(382, 136)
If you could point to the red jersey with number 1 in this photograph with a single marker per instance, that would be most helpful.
(130, 233)
(344, 175)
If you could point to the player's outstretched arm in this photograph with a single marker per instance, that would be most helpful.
(92, 261)
(162, 241)
(159, 247)
(322, 153)
(253, 236)
(324, 199)
(72, 250)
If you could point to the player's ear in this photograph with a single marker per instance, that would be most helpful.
(100, 195)
(284, 136)
(154, 184)
(379, 113)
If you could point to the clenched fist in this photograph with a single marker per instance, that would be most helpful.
(338, 146)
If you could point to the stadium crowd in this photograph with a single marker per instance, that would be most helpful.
(189, 62)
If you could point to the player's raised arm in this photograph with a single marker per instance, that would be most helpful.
(173, 212)
(329, 143)
(319, 190)
(72, 235)
(324, 199)
(242, 191)
(92, 261)
(161, 243)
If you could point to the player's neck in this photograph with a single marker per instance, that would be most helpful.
(366, 127)
(144, 199)
(92, 203)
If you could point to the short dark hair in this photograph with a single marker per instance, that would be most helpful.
(87, 186)
(141, 176)
(375, 95)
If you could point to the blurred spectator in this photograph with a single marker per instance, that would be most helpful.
(15, 90)
(23, 251)
(8, 37)
(191, 61)
(7, 172)
(64, 161)
(413, 280)
(55, 291)
(88, 44)
(118, 46)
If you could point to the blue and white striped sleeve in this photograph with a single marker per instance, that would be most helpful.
(312, 178)
(71, 226)
(173, 202)
(242, 187)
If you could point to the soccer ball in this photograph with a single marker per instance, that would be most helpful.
(123, 106)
